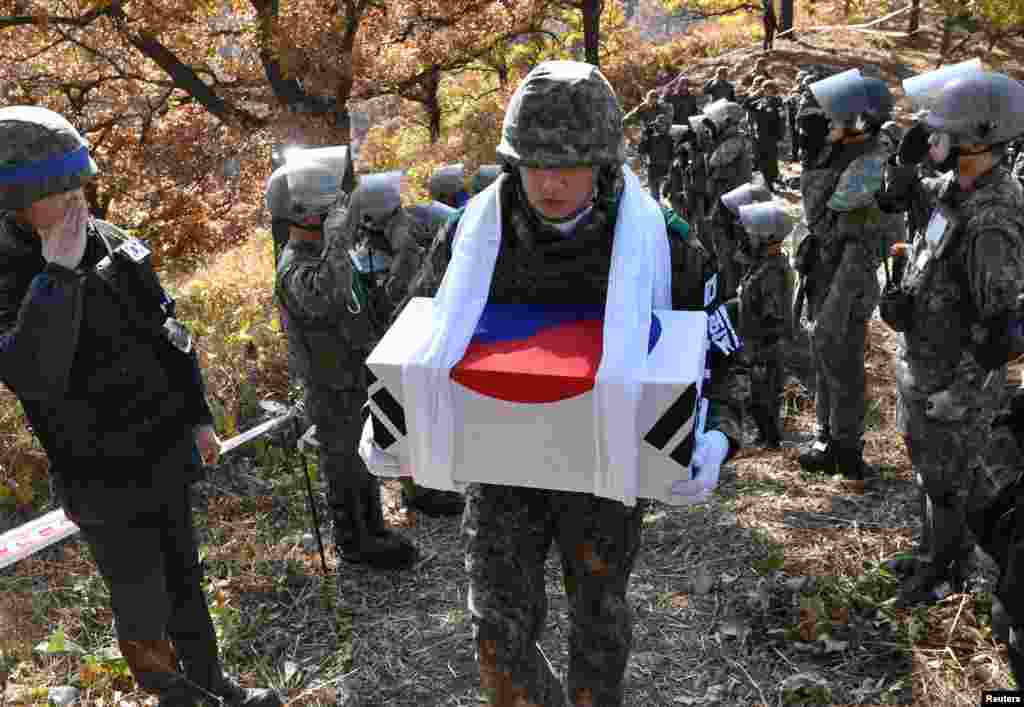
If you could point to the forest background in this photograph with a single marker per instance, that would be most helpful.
(185, 104)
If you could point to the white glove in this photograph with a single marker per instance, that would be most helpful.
(64, 242)
(711, 450)
(379, 462)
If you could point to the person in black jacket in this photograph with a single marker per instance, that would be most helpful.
(719, 87)
(767, 115)
(112, 388)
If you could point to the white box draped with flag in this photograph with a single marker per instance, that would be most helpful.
(523, 398)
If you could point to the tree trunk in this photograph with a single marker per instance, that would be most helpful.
(433, 109)
(432, 104)
(947, 38)
(786, 15)
(915, 16)
(592, 30)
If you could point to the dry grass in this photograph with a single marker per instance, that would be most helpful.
(775, 579)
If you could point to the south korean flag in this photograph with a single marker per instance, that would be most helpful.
(386, 414)
(674, 434)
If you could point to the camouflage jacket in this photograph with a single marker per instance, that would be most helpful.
(538, 265)
(840, 199)
(766, 297)
(730, 164)
(329, 333)
(976, 279)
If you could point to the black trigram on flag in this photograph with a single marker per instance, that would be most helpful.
(674, 432)
(386, 414)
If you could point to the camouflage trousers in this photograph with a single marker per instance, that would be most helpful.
(337, 414)
(509, 531)
(765, 384)
(838, 340)
(961, 465)
(725, 248)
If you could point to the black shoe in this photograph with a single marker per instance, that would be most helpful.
(236, 696)
(929, 585)
(817, 455)
(432, 502)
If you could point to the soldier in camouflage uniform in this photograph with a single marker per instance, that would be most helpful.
(559, 203)
(331, 329)
(729, 165)
(730, 242)
(999, 529)
(696, 181)
(848, 238)
(957, 297)
(766, 314)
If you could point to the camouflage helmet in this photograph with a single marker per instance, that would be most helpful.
(306, 186)
(765, 222)
(41, 154)
(747, 193)
(563, 114)
(985, 108)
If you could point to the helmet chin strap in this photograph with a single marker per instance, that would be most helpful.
(971, 165)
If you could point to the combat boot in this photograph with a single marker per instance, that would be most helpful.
(817, 455)
(376, 526)
(235, 695)
(848, 460)
(354, 539)
(932, 582)
(431, 502)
